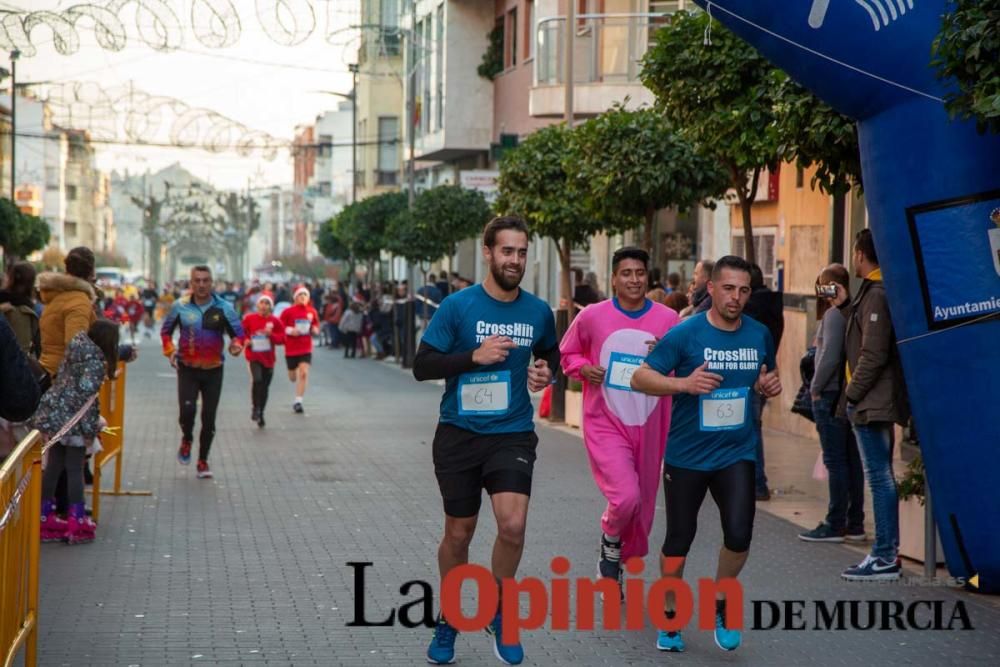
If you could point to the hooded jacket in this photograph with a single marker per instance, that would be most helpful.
(20, 314)
(80, 376)
(69, 309)
(875, 385)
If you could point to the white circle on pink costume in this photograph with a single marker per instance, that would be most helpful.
(631, 407)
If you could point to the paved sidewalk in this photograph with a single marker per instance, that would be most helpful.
(249, 568)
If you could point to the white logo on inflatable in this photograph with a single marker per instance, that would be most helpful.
(882, 12)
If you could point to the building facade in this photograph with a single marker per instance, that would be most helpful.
(304, 159)
(379, 96)
(88, 220)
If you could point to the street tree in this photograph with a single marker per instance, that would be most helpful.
(636, 163)
(333, 247)
(242, 219)
(441, 217)
(330, 245)
(152, 212)
(302, 267)
(810, 132)
(717, 90)
(20, 233)
(361, 225)
(535, 185)
(967, 51)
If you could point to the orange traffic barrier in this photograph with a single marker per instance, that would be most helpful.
(20, 512)
(112, 401)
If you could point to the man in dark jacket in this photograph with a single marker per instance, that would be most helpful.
(767, 307)
(874, 398)
(701, 301)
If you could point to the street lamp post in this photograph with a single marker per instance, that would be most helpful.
(354, 132)
(14, 55)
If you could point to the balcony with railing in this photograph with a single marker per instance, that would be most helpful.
(607, 54)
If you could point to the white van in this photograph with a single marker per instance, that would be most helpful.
(110, 277)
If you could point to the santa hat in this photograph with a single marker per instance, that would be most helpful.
(266, 297)
(300, 290)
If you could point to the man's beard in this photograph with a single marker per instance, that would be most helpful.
(506, 282)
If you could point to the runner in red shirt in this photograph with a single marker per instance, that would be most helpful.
(135, 312)
(261, 332)
(301, 323)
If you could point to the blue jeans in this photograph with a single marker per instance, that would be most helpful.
(875, 440)
(843, 463)
(757, 405)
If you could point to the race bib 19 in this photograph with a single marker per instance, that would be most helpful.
(724, 409)
(260, 343)
(620, 369)
(484, 393)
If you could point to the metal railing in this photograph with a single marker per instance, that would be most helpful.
(20, 511)
(607, 48)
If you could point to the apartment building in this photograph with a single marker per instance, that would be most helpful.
(304, 159)
(529, 92)
(88, 217)
(331, 183)
(379, 96)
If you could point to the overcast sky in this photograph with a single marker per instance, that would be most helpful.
(257, 82)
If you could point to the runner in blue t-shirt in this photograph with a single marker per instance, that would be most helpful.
(717, 358)
(481, 340)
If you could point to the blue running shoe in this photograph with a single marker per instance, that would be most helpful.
(508, 654)
(666, 642)
(442, 648)
(727, 640)
(873, 569)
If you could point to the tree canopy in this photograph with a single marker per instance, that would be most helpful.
(810, 132)
(967, 50)
(720, 95)
(330, 245)
(534, 184)
(636, 163)
(361, 226)
(20, 233)
(440, 218)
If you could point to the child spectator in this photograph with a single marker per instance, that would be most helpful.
(350, 326)
(90, 358)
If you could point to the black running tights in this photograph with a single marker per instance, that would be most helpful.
(190, 383)
(732, 489)
(261, 376)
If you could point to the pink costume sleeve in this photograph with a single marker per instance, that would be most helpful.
(573, 348)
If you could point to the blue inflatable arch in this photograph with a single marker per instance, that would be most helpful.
(932, 188)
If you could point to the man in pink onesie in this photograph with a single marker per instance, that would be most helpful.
(625, 431)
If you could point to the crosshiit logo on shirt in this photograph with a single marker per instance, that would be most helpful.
(522, 334)
(740, 359)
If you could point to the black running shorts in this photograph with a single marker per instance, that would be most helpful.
(293, 362)
(465, 463)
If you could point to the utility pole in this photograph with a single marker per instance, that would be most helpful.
(145, 241)
(411, 101)
(14, 55)
(568, 58)
(564, 315)
(354, 132)
(245, 254)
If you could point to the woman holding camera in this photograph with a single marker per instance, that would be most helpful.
(845, 517)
